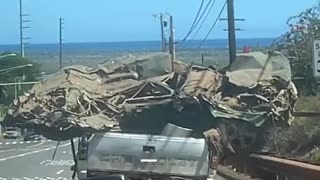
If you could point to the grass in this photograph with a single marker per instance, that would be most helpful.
(49, 63)
(302, 138)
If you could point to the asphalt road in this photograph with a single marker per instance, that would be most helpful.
(32, 160)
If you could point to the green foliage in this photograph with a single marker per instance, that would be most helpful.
(30, 73)
(302, 139)
(297, 45)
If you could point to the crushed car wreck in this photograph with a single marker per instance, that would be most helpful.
(141, 95)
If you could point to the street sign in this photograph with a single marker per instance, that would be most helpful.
(316, 58)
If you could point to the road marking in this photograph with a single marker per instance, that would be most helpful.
(36, 145)
(36, 178)
(23, 142)
(61, 162)
(32, 152)
(5, 150)
(59, 172)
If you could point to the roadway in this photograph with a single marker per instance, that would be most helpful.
(32, 160)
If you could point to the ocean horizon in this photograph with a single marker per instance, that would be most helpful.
(134, 45)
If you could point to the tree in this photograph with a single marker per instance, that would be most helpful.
(30, 73)
(297, 44)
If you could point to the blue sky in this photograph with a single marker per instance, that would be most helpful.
(131, 20)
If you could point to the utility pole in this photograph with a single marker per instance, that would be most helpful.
(22, 27)
(21, 30)
(172, 43)
(231, 31)
(202, 59)
(60, 41)
(163, 43)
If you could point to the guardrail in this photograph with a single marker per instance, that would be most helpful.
(267, 167)
(306, 114)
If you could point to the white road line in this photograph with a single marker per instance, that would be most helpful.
(59, 172)
(14, 142)
(0, 143)
(35, 141)
(37, 178)
(32, 152)
(7, 150)
(21, 142)
(36, 145)
(42, 162)
(7, 143)
(28, 142)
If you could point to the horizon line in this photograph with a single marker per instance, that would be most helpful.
(132, 41)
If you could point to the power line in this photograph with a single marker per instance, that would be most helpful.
(197, 16)
(214, 24)
(205, 9)
(193, 24)
(205, 18)
(200, 18)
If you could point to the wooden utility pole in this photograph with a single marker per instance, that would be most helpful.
(60, 41)
(172, 43)
(21, 30)
(22, 27)
(202, 59)
(231, 32)
(163, 43)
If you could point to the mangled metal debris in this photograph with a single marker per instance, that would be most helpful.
(141, 95)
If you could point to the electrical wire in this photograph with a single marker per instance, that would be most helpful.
(193, 24)
(197, 16)
(214, 24)
(199, 19)
(204, 20)
(203, 12)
